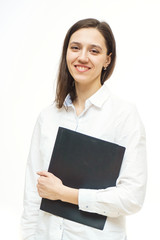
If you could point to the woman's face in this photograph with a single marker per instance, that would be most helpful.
(86, 56)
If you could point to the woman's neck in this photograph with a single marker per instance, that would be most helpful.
(83, 93)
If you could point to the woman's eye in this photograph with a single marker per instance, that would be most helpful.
(75, 48)
(94, 51)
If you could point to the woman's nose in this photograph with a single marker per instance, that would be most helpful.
(83, 56)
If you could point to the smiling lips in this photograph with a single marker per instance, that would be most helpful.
(82, 68)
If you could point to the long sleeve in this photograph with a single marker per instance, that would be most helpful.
(128, 195)
(31, 197)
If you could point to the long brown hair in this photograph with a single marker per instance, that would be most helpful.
(65, 82)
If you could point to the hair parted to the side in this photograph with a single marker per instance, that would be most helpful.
(65, 82)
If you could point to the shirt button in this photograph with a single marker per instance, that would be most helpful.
(86, 206)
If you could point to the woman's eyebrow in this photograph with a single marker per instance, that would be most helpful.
(78, 43)
(92, 45)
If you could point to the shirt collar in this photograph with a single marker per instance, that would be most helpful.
(68, 101)
(96, 99)
(100, 96)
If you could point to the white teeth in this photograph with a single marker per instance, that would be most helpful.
(81, 68)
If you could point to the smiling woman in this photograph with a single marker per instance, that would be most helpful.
(87, 40)
(84, 104)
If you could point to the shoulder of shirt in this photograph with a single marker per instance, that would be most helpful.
(121, 103)
(126, 110)
(48, 111)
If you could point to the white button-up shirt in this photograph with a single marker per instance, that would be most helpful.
(106, 117)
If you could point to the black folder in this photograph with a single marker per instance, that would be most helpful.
(82, 161)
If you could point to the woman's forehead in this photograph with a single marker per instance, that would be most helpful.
(88, 36)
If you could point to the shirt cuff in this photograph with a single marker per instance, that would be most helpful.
(87, 199)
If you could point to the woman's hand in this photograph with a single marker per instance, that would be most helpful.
(49, 186)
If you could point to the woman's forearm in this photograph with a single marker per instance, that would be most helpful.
(69, 195)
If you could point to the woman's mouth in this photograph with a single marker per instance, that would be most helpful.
(81, 68)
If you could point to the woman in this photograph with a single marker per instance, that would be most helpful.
(84, 104)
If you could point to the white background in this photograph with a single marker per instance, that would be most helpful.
(31, 37)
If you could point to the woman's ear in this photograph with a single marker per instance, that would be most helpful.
(108, 60)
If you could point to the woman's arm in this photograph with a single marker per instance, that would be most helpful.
(128, 195)
(31, 198)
